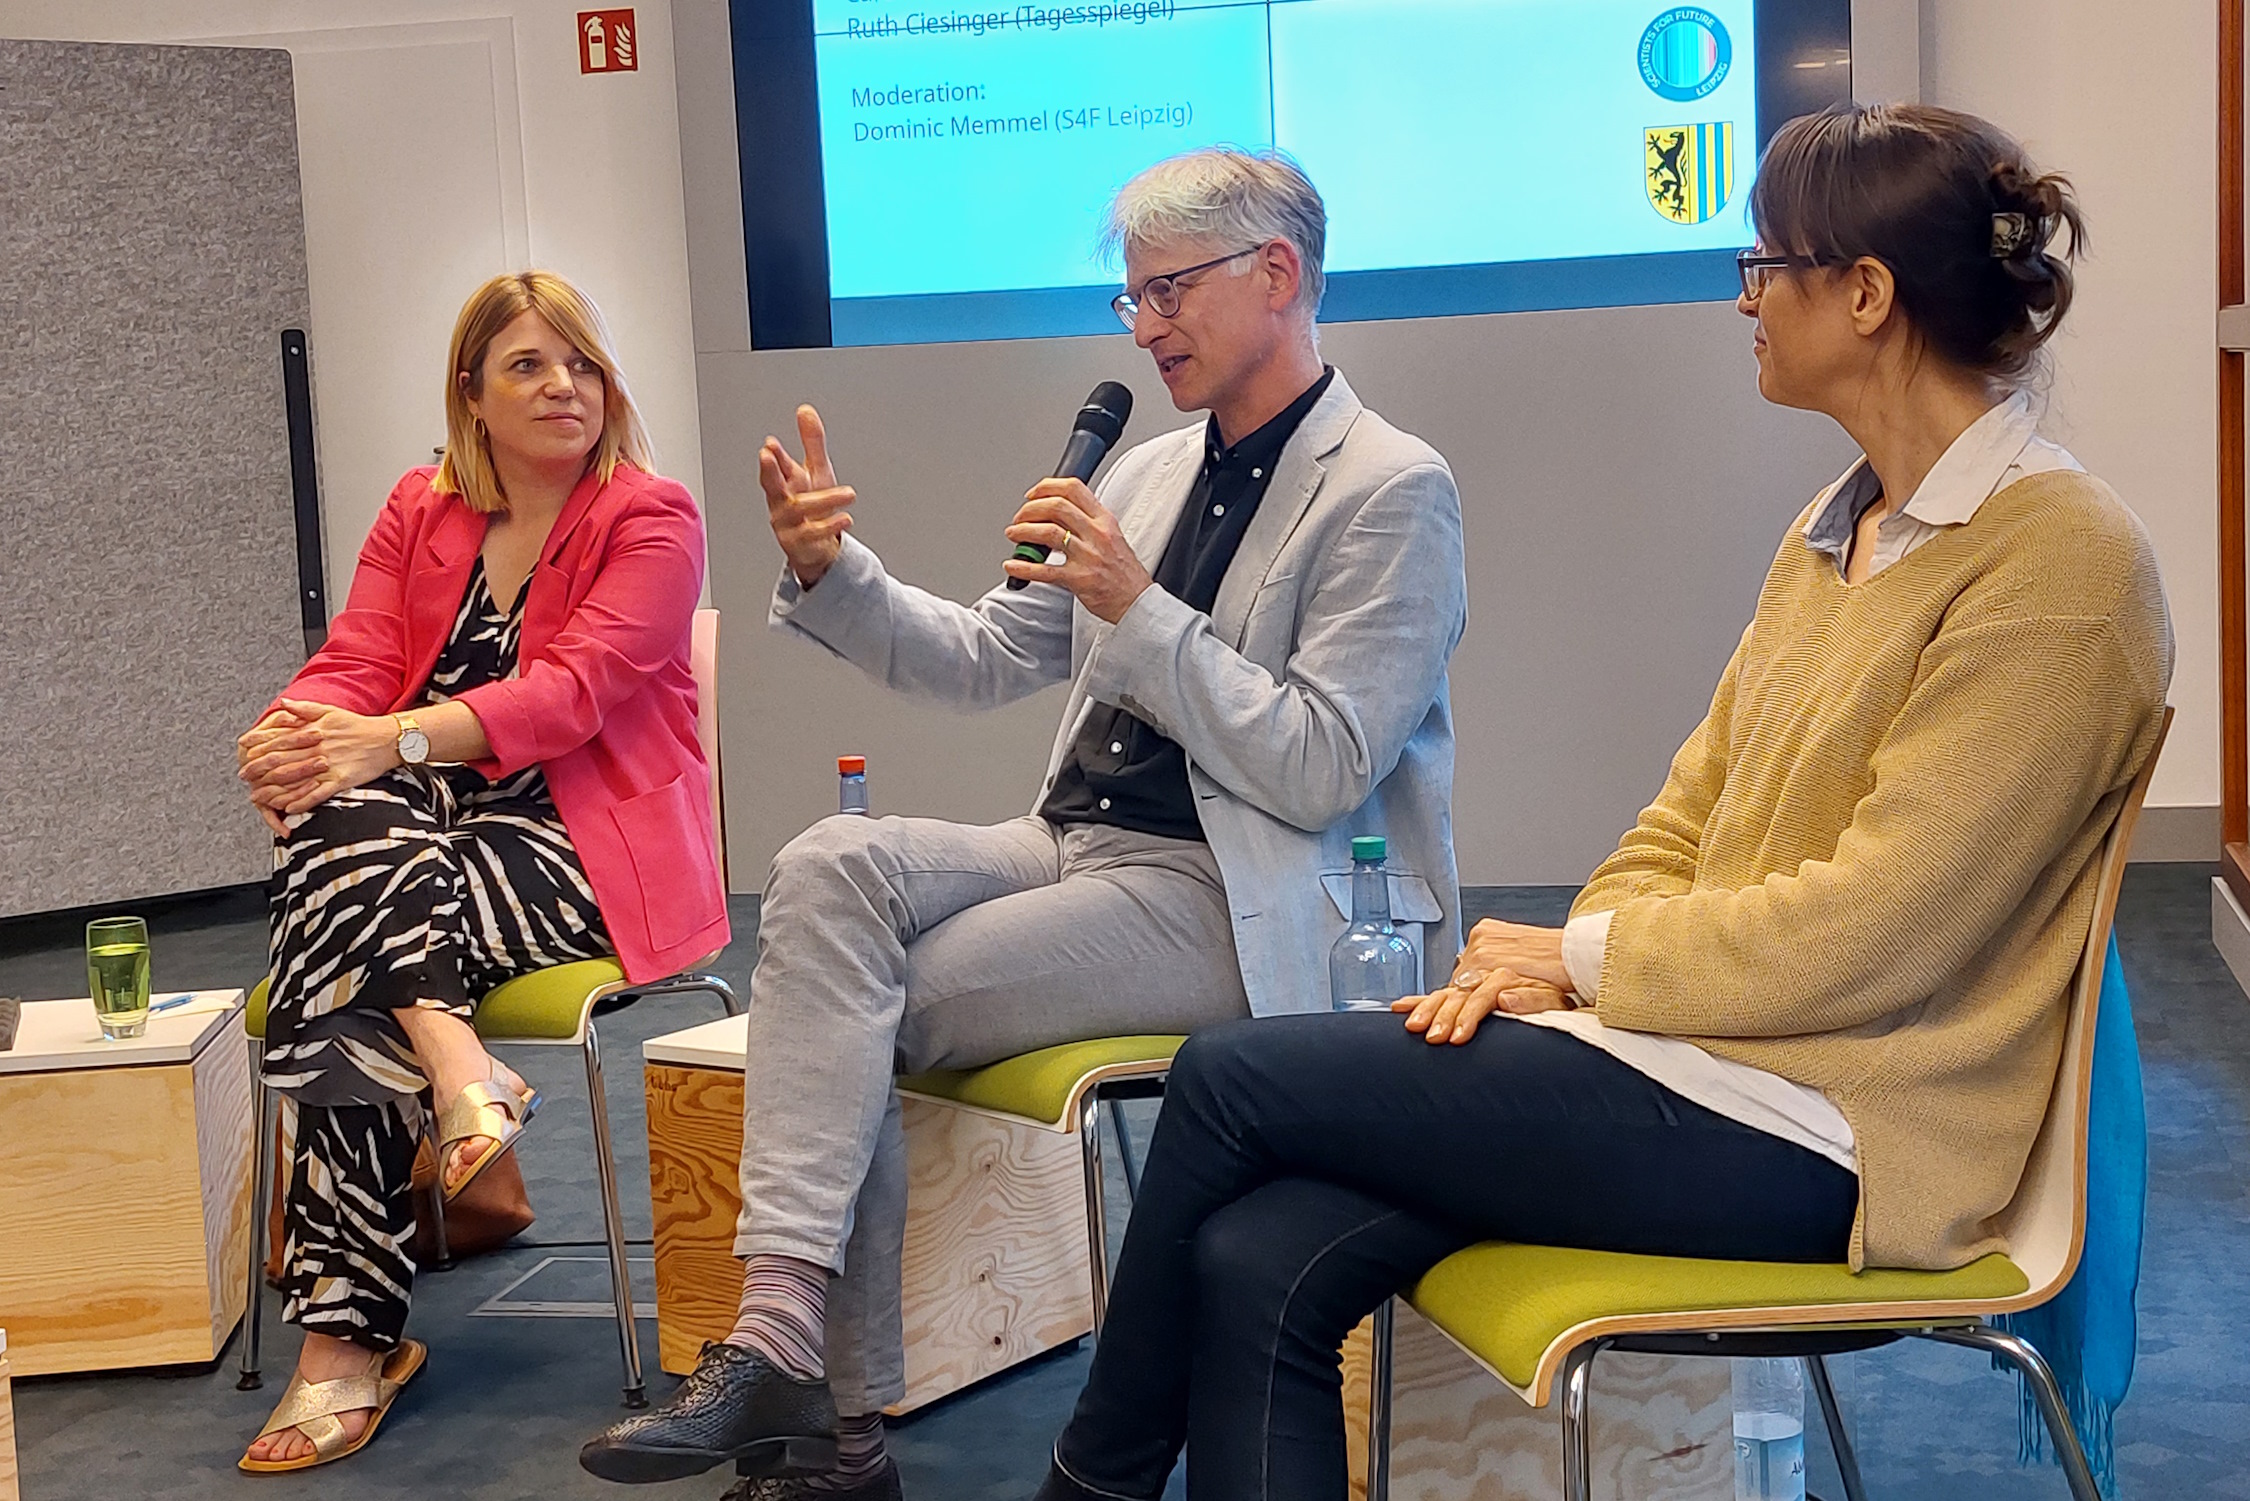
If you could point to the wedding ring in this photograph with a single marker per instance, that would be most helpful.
(1469, 979)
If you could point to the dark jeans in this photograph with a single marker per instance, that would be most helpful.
(1306, 1168)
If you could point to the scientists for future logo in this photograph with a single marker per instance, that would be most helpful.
(1690, 170)
(1685, 53)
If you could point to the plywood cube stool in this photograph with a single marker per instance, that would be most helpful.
(996, 1268)
(125, 1187)
(1663, 1427)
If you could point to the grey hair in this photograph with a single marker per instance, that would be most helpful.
(1227, 196)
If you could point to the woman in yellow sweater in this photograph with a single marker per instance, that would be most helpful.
(1812, 1007)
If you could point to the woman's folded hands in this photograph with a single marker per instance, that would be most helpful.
(1511, 967)
(304, 753)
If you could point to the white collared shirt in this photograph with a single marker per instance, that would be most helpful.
(1999, 448)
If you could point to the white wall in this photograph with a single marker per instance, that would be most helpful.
(442, 142)
(2124, 98)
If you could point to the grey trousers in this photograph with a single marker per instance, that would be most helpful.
(902, 944)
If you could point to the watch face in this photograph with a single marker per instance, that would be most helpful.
(413, 747)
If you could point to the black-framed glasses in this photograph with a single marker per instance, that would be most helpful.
(1163, 292)
(1758, 271)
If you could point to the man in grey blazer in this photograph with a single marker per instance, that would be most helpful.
(1254, 615)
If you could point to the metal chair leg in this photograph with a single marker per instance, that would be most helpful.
(1379, 1404)
(1839, 1440)
(1097, 1211)
(1123, 1130)
(261, 1181)
(434, 1206)
(1577, 1435)
(613, 1225)
(2019, 1353)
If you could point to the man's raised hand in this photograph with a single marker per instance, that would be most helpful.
(803, 501)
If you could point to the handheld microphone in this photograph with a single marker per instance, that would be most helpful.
(1100, 423)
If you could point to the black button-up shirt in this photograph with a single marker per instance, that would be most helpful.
(1120, 770)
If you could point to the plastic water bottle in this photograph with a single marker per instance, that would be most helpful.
(1769, 1430)
(851, 785)
(1373, 964)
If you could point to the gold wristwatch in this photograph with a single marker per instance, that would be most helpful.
(413, 745)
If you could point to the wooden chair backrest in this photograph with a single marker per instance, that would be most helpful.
(2046, 1222)
(703, 658)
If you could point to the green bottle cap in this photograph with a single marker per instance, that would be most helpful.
(1370, 847)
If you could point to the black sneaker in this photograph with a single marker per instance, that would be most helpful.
(735, 1405)
(880, 1486)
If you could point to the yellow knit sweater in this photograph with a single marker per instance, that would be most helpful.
(1872, 865)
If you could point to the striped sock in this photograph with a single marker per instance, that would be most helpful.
(784, 1309)
(859, 1455)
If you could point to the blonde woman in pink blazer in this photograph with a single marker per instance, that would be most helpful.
(491, 767)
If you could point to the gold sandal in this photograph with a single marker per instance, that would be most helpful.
(311, 1407)
(486, 1109)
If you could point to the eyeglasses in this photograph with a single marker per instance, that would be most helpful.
(1163, 292)
(1758, 269)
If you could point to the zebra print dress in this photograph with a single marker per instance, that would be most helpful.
(429, 886)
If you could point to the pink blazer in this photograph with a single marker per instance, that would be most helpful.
(603, 696)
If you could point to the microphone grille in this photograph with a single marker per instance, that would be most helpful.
(1107, 411)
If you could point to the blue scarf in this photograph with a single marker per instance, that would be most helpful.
(2087, 1330)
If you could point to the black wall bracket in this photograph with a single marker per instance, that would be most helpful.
(304, 488)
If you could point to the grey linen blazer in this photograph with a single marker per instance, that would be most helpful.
(1312, 701)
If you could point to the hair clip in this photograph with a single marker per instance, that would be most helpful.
(2010, 233)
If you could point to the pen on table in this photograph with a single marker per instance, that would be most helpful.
(178, 1000)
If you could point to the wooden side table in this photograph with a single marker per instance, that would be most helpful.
(125, 1188)
(995, 1268)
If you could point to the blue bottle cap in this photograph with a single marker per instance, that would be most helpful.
(1370, 847)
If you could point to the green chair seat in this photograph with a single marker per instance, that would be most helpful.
(1040, 1086)
(1507, 1304)
(544, 1006)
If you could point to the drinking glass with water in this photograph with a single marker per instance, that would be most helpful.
(117, 974)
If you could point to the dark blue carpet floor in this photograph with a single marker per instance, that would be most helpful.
(506, 1400)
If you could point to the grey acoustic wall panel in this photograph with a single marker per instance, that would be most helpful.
(151, 252)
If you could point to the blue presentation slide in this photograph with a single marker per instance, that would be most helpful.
(971, 151)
